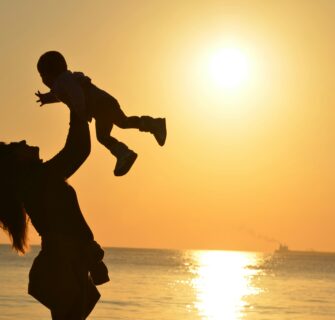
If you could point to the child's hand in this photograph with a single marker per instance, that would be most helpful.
(44, 98)
(41, 98)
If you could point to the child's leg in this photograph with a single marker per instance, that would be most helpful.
(103, 128)
(125, 156)
(145, 123)
(122, 121)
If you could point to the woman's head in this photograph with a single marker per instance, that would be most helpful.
(22, 153)
(15, 158)
(50, 65)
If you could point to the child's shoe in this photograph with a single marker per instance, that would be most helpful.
(155, 126)
(124, 162)
(159, 130)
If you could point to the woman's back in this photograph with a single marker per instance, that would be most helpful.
(52, 204)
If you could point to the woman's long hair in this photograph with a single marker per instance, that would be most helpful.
(13, 218)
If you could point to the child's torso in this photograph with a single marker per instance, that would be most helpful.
(95, 98)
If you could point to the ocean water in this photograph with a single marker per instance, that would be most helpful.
(190, 285)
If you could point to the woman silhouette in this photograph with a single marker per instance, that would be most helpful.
(65, 273)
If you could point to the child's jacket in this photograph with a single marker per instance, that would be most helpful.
(78, 92)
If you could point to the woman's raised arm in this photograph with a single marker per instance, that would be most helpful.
(76, 149)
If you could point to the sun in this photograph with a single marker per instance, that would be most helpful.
(228, 68)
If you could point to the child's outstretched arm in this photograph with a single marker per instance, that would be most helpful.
(44, 98)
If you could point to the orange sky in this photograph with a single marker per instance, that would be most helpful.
(241, 169)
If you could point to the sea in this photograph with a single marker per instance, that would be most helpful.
(153, 284)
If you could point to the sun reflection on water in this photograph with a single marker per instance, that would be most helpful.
(223, 279)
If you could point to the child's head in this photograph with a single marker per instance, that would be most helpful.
(50, 65)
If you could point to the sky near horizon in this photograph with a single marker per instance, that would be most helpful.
(249, 160)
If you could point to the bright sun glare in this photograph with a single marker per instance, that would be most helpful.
(223, 282)
(229, 68)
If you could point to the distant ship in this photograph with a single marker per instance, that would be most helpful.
(284, 249)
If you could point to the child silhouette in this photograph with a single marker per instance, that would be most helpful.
(88, 101)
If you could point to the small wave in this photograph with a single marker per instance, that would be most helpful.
(120, 303)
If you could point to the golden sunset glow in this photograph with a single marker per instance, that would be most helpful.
(247, 88)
